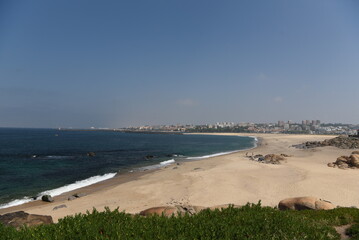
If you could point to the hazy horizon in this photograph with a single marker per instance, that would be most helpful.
(89, 64)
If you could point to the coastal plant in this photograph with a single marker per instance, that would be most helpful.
(251, 221)
(353, 231)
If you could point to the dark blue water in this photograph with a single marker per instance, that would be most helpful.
(36, 160)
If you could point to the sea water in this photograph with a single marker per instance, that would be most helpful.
(35, 162)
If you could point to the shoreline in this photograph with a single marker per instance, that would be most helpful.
(224, 179)
(124, 176)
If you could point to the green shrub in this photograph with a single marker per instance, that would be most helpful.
(248, 222)
(353, 231)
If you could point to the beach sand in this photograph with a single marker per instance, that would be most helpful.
(231, 178)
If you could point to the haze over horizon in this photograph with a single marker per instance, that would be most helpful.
(121, 63)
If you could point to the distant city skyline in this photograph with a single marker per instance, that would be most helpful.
(114, 64)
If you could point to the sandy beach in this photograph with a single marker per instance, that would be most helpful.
(231, 178)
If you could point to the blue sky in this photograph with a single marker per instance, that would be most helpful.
(120, 63)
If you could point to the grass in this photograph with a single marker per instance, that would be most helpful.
(248, 222)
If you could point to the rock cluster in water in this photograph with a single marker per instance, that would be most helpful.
(343, 142)
(344, 162)
(269, 158)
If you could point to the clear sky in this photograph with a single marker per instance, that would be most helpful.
(120, 63)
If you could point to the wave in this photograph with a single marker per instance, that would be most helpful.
(212, 155)
(167, 162)
(16, 202)
(224, 153)
(156, 166)
(60, 190)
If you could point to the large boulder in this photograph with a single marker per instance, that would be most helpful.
(304, 203)
(342, 159)
(354, 160)
(47, 198)
(21, 218)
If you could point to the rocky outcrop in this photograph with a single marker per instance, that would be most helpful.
(76, 195)
(305, 203)
(47, 198)
(224, 206)
(18, 219)
(168, 211)
(60, 206)
(343, 142)
(171, 210)
(269, 158)
(344, 162)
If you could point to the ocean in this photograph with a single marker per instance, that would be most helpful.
(34, 162)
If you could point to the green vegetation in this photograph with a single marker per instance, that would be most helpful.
(353, 231)
(248, 222)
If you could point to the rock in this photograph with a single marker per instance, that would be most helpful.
(303, 203)
(354, 160)
(344, 162)
(149, 157)
(343, 142)
(343, 166)
(323, 205)
(169, 211)
(60, 206)
(71, 198)
(78, 195)
(165, 211)
(224, 206)
(342, 159)
(47, 198)
(273, 157)
(331, 165)
(91, 154)
(18, 219)
(355, 152)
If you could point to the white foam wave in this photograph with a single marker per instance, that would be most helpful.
(16, 202)
(78, 184)
(224, 153)
(60, 190)
(156, 166)
(167, 162)
(212, 155)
